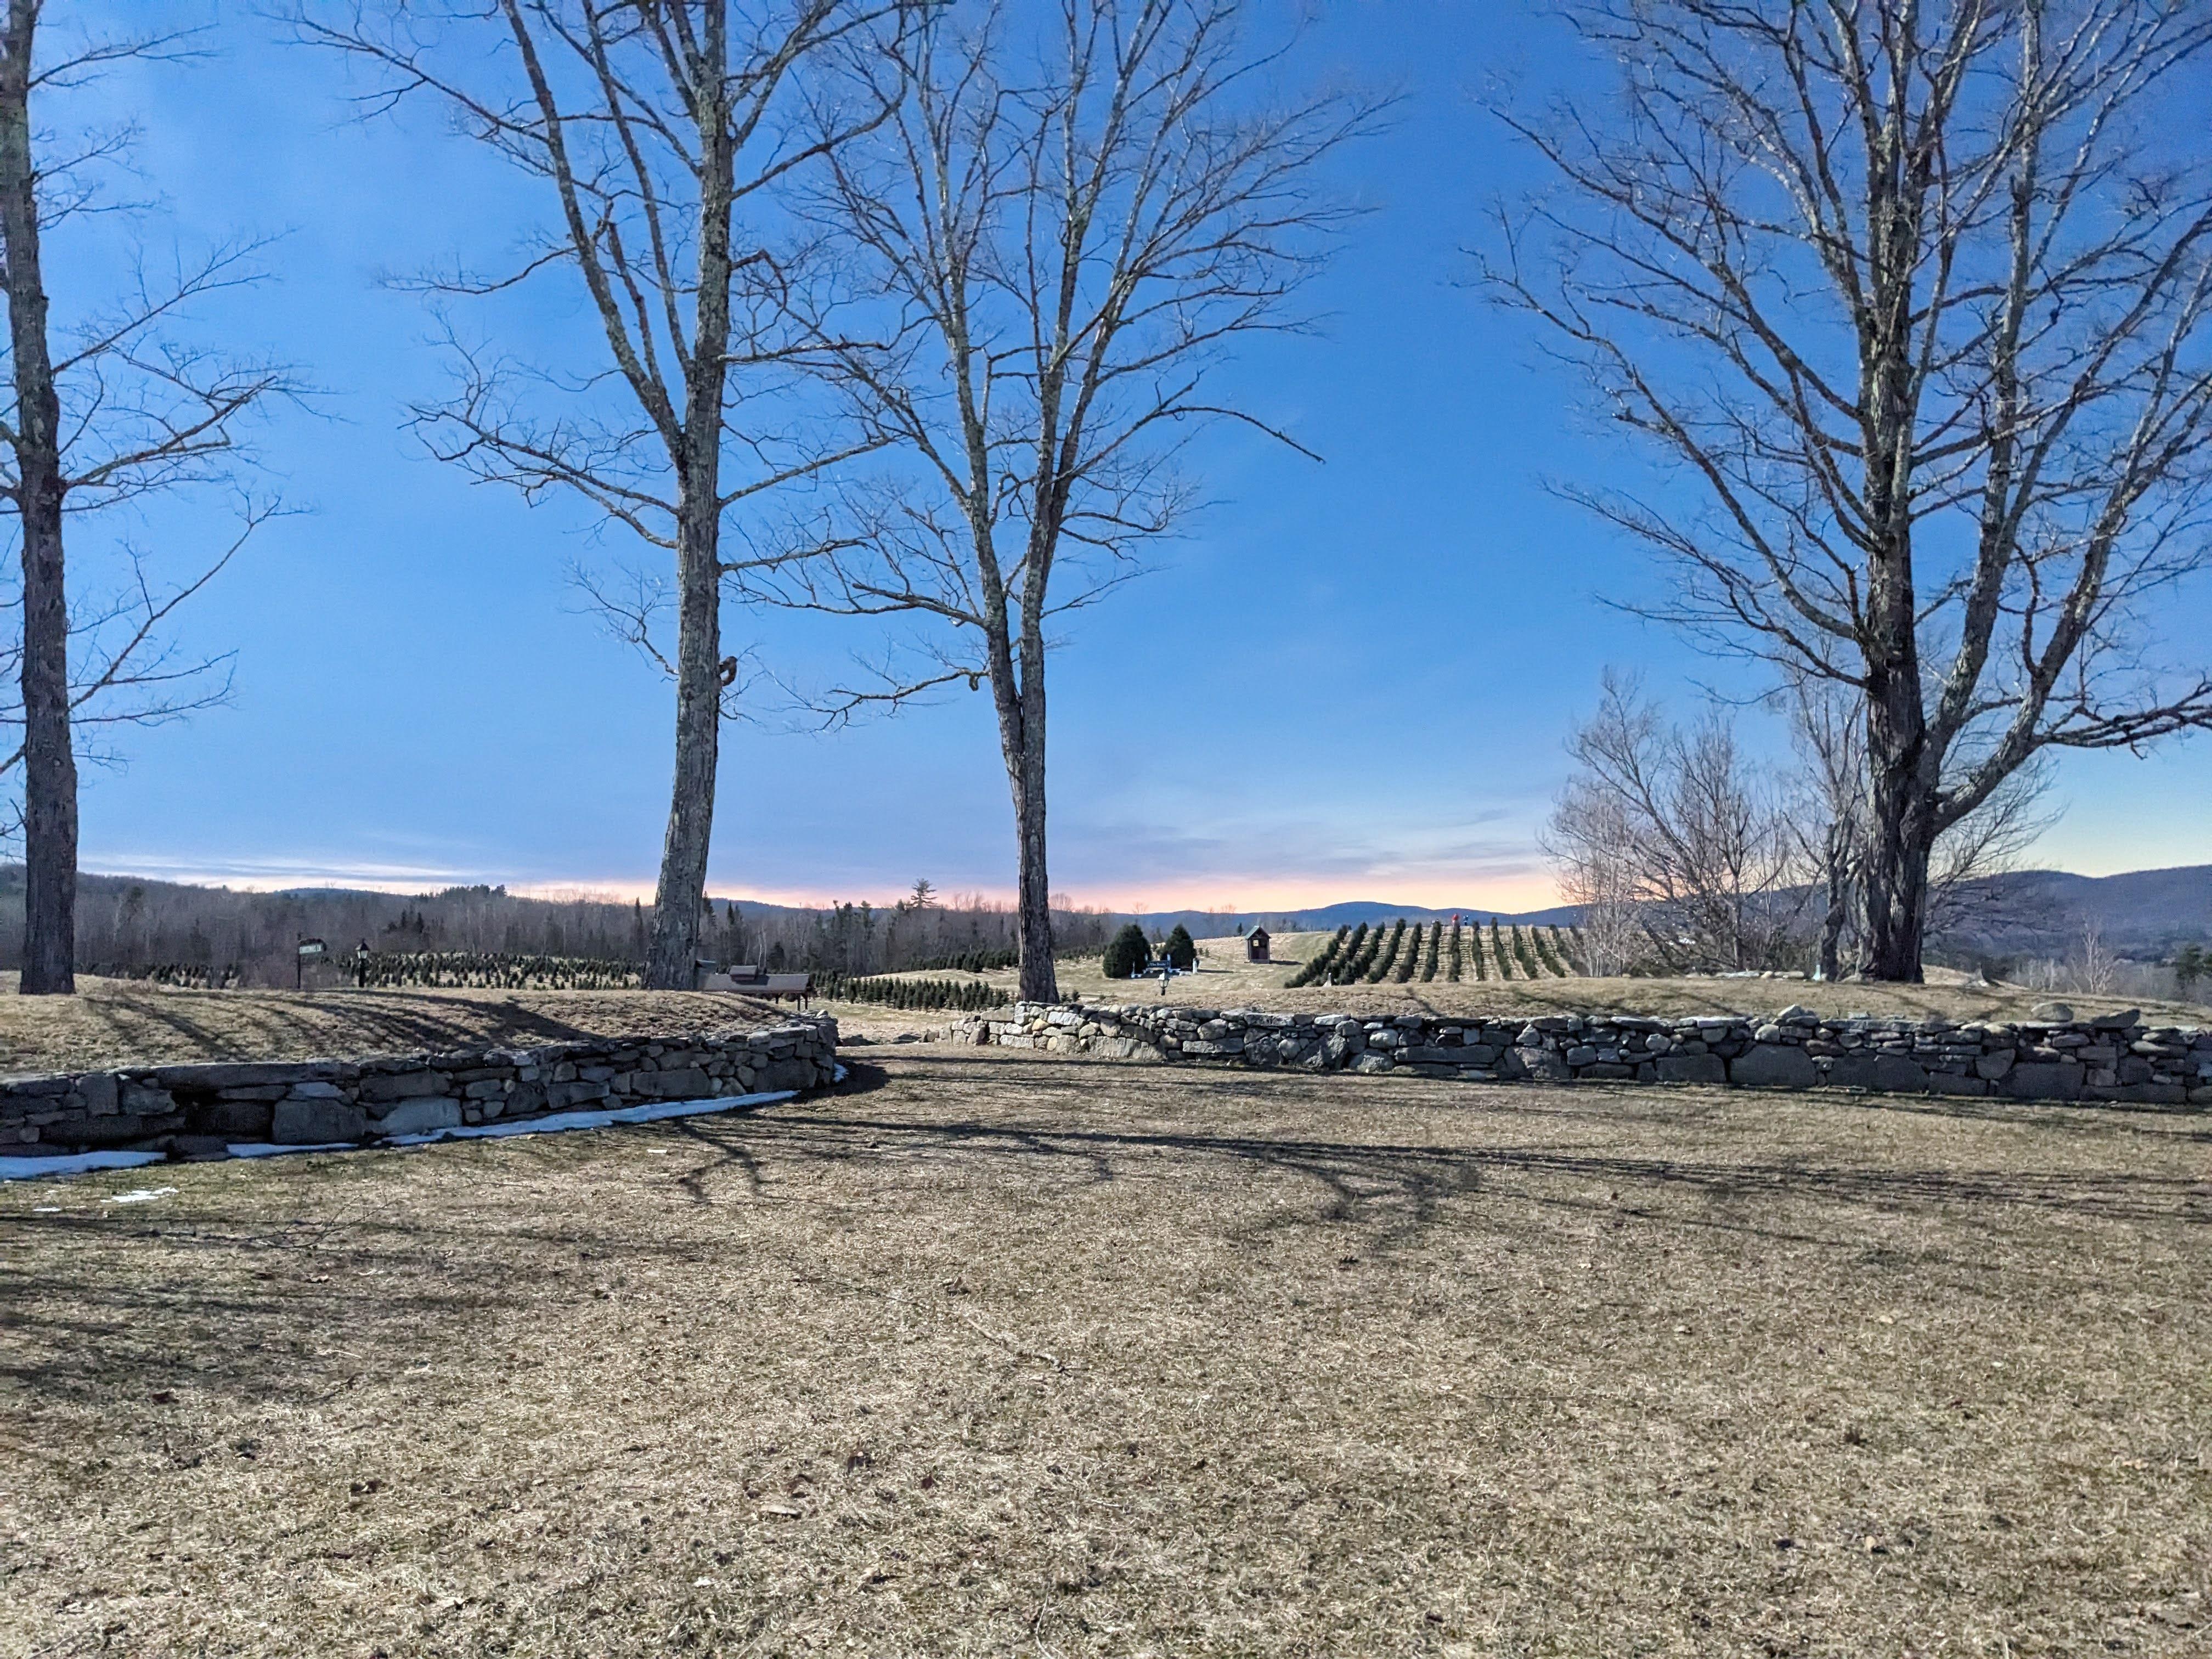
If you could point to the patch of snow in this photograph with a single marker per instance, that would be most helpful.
(31, 1168)
(838, 1076)
(142, 1195)
(555, 1122)
(264, 1149)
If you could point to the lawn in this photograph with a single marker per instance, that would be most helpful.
(115, 1023)
(990, 1354)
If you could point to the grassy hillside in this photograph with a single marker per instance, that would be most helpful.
(1226, 979)
(111, 1024)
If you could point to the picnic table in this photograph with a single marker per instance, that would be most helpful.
(750, 977)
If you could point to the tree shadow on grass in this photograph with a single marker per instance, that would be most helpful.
(131, 1027)
(284, 1285)
(1055, 1129)
(2095, 1120)
(1422, 1171)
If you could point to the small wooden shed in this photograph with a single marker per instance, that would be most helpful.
(1255, 946)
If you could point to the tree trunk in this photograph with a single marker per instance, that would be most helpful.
(1837, 860)
(49, 760)
(1033, 918)
(676, 900)
(1902, 834)
(671, 963)
(1021, 743)
(1904, 840)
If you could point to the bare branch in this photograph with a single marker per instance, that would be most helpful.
(1916, 298)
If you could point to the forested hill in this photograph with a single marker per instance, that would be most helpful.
(127, 923)
(2141, 912)
(130, 925)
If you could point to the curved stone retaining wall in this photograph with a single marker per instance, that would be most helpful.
(2116, 1058)
(199, 1111)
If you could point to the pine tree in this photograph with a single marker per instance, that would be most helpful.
(1128, 952)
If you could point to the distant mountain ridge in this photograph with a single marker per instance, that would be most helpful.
(2144, 913)
(2141, 912)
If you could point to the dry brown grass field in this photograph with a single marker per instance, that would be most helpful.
(115, 1023)
(988, 1354)
(120, 1023)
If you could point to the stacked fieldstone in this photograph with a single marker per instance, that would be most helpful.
(199, 1111)
(2115, 1058)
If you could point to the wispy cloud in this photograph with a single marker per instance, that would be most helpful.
(1253, 860)
(1281, 862)
(279, 871)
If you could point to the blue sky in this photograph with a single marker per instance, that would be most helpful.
(1350, 680)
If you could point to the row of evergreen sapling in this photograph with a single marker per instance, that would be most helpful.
(969, 962)
(1388, 957)
(1431, 950)
(965, 995)
(1316, 966)
(1409, 957)
(488, 970)
(185, 975)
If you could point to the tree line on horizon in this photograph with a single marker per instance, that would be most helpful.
(903, 312)
(129, 927)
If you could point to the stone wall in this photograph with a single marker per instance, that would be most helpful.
(2116, 1058)
(200, 1110)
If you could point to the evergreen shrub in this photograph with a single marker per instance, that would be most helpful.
(1128, 952)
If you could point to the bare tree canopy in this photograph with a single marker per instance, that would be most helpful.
(1683, 851)
(661, 131)
(107, 406)
(1916, 300)
(1079, 208)
(1675, 842)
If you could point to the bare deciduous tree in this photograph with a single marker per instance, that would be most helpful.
(105, 409)
(1917, 295)
(1827, 730)
(2094, 970)
(1591, 841)
(1062, 234)
(661, 131)
(1678, 829)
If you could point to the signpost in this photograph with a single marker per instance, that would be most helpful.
(308, 947)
